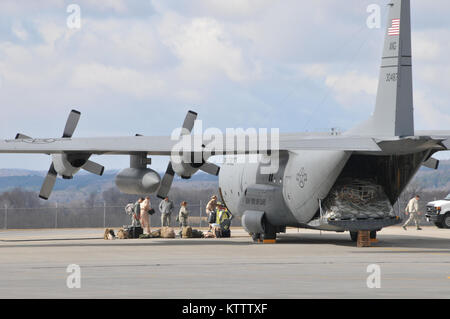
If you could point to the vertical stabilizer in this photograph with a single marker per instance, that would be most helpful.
(394, 114)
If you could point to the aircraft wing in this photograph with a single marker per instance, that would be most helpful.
(158, 145)
(444, 135)
(163, 145)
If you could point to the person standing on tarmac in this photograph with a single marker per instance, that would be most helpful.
(165, 207)
(137, 213)
(145, 216)
(413, 210)
(211, 210)
(183, 215)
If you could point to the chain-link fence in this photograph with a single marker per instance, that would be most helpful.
(102, 215)
(90, 217)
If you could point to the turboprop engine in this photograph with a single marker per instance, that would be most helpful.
(138, 181)
(67, 165)
(184, 169)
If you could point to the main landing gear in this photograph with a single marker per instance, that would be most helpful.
(268, 237)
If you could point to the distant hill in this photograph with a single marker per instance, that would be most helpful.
(83, 184)
(428, 178)
(7, 172)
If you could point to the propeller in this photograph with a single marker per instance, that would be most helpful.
(169, 175)
(50, 179)
(52, 174)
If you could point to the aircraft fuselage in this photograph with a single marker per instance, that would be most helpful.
(288, 197)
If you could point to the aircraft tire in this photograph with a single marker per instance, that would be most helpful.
(256, 237)
(354, 236)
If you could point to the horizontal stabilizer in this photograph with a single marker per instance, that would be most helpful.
(431, 163)
(20, 136)
(446, 143)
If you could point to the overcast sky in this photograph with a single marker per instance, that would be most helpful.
(138, 66)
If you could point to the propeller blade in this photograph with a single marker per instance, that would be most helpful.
(167, 179)
(49, 183)
(93, 168)
(166, 182)
(210, 168)
(21, 136)
(71, 123)
(188, 123)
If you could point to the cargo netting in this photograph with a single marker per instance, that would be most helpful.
(357, 199)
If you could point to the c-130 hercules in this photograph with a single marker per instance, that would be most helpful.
(384, 151)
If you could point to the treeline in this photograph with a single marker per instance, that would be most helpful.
(20, 209)
(23, 209)
(19, 198)
(193, 194)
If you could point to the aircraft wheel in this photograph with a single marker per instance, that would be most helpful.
(256, 237)
(354, 236)
(267, 236)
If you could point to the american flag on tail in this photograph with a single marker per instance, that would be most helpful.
(395, 27)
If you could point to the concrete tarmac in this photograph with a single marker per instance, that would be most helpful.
(302, 264)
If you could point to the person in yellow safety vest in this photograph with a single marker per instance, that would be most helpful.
(222, 214)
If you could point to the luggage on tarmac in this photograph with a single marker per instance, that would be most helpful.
(156, 233)
(186, 232)
(133, 231)
(167, 232)
(197, 233)
(122, 234)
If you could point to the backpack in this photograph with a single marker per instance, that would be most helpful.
(129, 209)
(133, 231)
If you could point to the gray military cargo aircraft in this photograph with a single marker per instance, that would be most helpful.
(384, 152)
